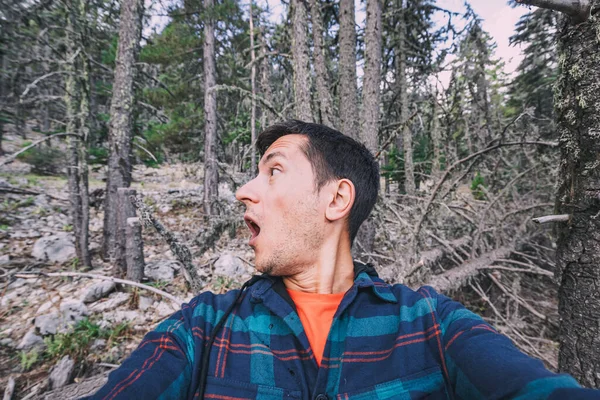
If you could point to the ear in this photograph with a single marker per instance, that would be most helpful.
(342, 201)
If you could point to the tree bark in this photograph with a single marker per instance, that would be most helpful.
(84, 130)
(321, 75)
(72, 99)
(134, 249)
(126, 210)
(253, 84)
(577, 95)
(121, 116)
(436, 140)
(300, 61)
(347, 67)
(372, 79)
(265, 85)
(370, 103)
(404, 141)
(211, 167)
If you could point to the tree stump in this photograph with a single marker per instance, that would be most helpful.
(134, 250)
(125, 210)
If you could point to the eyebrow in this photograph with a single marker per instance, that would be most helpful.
(272, 155)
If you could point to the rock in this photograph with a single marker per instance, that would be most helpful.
(61, 373)
(41, 201)
(98, 344)
(123, 316)
(4, 259)
(73, 312)
(47, 324)
(31, 341)
(145, 303)
(56, 248)
(230, 266)
(114, 301)
(19, 282)
(98, 291)
(163, 309)
(161, 270)
(164, 209)
(7, 342)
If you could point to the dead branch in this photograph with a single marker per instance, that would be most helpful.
(14, 190)
(578, 10)
(516, 298)
(457, 277)
(395, 133)
(10, 388)
(29, 275)
(181, 251)
(84, 388)
(477, 288)
(417, 228)
(245, 92)
(551, 218)
(12, 157)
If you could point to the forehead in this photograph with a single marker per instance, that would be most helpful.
(290, 146)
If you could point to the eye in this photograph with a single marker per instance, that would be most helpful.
(274, 171)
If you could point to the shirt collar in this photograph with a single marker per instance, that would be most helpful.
(365, 277)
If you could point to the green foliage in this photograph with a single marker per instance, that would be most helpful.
(76, 343)
(98, 155)
(28, 359)
(158, 284)
(476, 185)
(44, 160)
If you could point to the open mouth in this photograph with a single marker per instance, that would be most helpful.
(254, 228)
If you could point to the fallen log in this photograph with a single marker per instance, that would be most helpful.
(457, 277)
(78, 390)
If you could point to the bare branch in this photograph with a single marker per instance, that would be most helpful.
(175, 300)
(551, 218)
(578, 10)
(12, 157)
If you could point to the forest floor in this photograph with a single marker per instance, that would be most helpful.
(44, 319)
(106, 330)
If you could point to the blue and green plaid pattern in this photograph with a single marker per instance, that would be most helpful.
(386, 342)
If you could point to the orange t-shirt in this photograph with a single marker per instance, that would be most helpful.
(316, 314)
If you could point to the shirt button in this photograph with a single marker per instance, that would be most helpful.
(321, 397)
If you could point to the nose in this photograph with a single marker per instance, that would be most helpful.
(247, 193)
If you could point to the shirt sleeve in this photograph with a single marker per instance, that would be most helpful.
(483, 364)
(160, 368)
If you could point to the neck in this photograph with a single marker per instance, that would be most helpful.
(331, 272)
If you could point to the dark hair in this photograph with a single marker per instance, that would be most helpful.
(333, 155)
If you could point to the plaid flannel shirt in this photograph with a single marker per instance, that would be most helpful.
(386, 342)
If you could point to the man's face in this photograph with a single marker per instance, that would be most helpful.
(284, 212)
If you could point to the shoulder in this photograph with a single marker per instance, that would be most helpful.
(208, 306)
(406, 295)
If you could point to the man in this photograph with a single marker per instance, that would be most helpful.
(316, 325)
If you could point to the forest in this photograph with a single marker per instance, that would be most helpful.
(126, 127)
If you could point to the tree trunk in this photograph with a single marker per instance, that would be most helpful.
(83, 142)
(404, 141)
(347, 67)
(134, 249)
(300, 61)
(72, 98)
(372, 80)
(370, 103)
(578, 247)
(253, 83)
(436, 140)
(211, 171)
(265, 85)
(126, 210)
(321, 77)
(121, 116)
